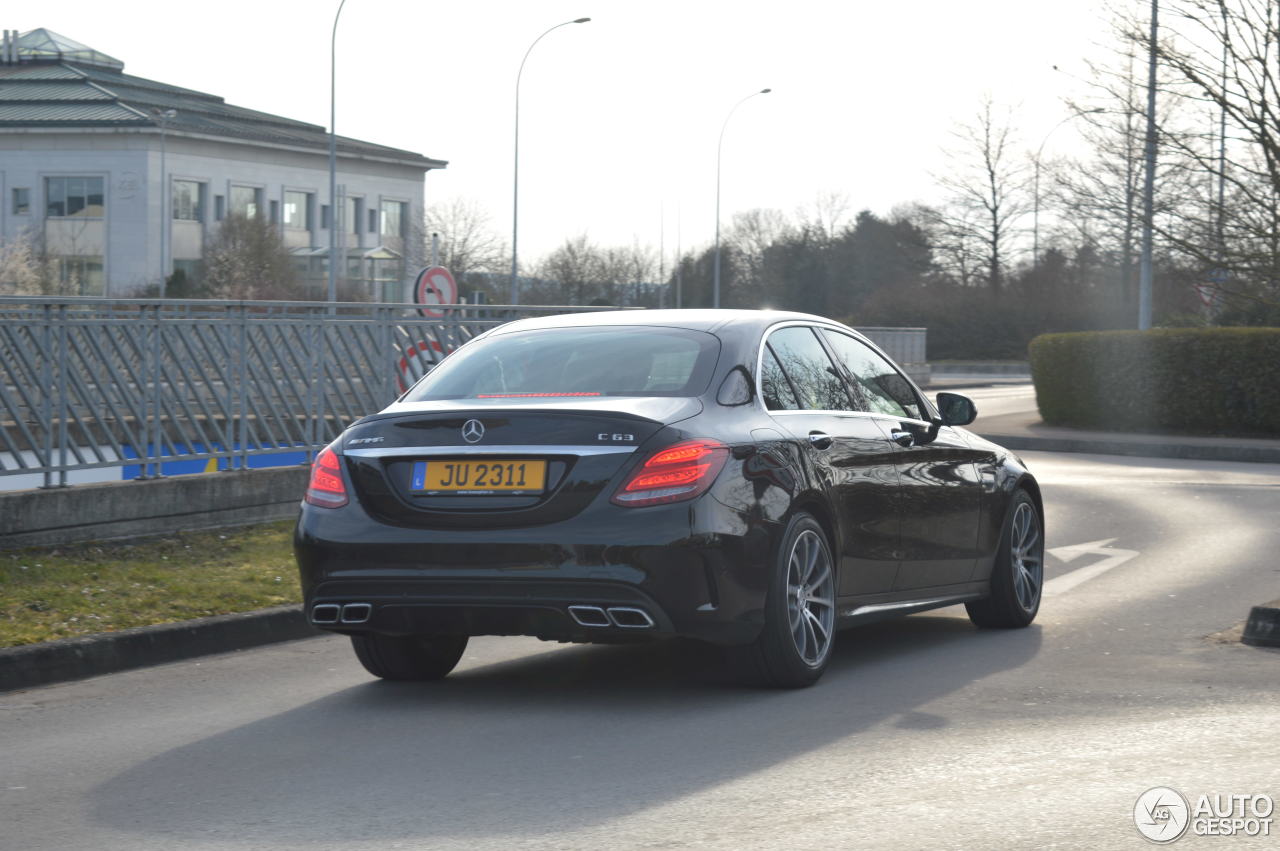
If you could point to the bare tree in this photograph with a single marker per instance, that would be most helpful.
(1224, 59)
(246, 259)
(468, 242)
(24, 270)
(987, 180)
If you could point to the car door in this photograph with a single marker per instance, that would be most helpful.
(850, 456)
(940, 492)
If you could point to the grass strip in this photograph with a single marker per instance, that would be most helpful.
(81, 589)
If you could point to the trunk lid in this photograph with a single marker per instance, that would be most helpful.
(476, 463)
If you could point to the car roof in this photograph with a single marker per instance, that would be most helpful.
(693, 319)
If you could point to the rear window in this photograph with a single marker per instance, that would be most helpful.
(608, 361)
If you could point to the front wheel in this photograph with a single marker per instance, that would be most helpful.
(794, 646)
(1017, 577)
(409, 657)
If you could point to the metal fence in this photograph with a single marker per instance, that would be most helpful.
(97, 383)
(150, 388)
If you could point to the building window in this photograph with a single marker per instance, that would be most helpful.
(246, 201)
(373, 221)
(186, 201)
(21, 201)
(324, 216)
(355, 209)
(296, 208)
(394, 218)
(219, 208)
(73, 196)
(275, 212)
(80, 275)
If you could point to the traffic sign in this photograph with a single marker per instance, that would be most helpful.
(417, 361)
(434, 287)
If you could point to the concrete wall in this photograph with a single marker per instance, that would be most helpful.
(152, 507)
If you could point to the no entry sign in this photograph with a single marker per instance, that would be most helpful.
(434, 287)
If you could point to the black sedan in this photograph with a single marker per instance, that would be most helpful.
(752, 479)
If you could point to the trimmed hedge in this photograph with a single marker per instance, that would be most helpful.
(1177, 380)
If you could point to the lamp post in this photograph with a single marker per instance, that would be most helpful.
(1148, 185)
(715, 269)
(333, 159)
(1035, 216)
(515, 180)
(163, 116)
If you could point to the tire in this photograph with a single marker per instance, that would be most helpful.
(1017, 577)
(409, 657)
(794, 646)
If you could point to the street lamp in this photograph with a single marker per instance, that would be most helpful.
(333, 158)
(715, 273)
(515, 182)
(1035, 227)
(163, 116)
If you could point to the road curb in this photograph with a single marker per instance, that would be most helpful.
(76, 658)
(1144, 449)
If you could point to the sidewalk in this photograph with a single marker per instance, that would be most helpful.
(1025, 430)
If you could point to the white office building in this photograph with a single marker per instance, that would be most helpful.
(119, 180)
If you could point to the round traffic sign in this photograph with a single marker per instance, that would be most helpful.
(434, 287)
(417, 361)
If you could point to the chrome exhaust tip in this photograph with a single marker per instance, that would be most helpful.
(325, 613)
(356, 612)
(589, 616)
(629, 618)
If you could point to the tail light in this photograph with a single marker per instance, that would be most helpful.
(326, 488)
(677, 473)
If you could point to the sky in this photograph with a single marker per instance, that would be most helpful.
(619, 117)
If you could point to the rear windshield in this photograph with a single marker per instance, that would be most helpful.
(616, 360)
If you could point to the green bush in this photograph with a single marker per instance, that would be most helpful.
(1177, 380)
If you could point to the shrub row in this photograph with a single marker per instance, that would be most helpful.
(1189, 381)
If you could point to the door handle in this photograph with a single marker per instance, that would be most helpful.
(902, 438)
(819, 440)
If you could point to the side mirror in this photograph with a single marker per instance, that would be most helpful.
(956, 410)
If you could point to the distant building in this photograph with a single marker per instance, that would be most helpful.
(119, 180)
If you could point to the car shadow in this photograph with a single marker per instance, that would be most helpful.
(573, 737)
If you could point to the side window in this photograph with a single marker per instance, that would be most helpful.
(817, 381)
(883, 389)
(774, 386)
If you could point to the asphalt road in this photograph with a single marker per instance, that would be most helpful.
(925, 733)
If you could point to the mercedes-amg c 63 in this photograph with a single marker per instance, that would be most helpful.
(754, 479)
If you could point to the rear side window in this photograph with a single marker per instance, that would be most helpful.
(817, 381)
(620, 360)
(774, 387)
(882, 388)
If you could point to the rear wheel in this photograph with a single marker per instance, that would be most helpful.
(409, 657)
(794, 646)
(1017, 578)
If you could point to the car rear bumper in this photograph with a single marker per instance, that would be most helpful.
(606, 586)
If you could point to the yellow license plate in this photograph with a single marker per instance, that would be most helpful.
(514, 476)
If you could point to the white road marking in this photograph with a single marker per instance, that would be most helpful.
(1114, 557)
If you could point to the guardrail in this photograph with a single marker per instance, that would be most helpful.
(98, 389)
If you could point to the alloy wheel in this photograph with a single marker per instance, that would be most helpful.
(1026, 551)
(811, 597)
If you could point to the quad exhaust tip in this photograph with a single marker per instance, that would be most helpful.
(629, 618)
(326, 613)
(356, 612)
(623, 617)
(350, 613)
(589, 615)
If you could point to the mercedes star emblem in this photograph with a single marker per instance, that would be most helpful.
(472, 431)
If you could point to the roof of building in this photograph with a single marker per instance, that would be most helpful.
(59, 83)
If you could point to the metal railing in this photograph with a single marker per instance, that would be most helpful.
(157, 387)
(107, 383)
